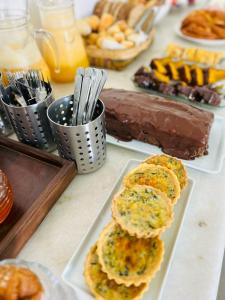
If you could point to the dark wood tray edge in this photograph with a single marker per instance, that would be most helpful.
(9, 247)
(31, 151)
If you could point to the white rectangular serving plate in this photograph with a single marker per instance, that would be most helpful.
(211, 163)
(73, 273)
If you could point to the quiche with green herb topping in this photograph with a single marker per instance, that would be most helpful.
(127, 259)
(105, 289)
(171, 163)
(159, 177)
(142, 211)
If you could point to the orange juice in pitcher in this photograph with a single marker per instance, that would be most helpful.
(57, 17)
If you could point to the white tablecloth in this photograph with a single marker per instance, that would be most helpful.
(197, 263)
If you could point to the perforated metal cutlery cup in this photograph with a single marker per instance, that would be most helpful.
(5, 124)
(84, 144)
(31, 123)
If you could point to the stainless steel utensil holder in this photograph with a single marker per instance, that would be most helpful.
(5, 124)
(31, 123)
(84, 144)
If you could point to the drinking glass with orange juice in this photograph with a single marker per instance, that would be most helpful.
(57, 17)
(18, 47)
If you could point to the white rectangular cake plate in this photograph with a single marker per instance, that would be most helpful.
(73, 273)
(211, 163)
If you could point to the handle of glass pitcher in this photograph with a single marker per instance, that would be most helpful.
(46, 35)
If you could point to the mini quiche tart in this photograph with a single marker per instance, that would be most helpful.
(142, 211)
(156, 176)
(103, 288)
(171, 163)
(127, 259)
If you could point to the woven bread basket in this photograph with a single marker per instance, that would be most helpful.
(117, 59)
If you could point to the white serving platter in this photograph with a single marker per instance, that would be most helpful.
(211, 163)
(73, 273)
(203, 42)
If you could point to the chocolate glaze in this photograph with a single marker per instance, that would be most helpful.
(179, 129)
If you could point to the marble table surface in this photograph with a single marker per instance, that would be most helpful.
(196, 266)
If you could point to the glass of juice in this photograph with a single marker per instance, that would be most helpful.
(58, 18)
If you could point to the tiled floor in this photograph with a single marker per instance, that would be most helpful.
(221, 294)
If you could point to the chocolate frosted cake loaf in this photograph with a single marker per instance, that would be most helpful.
(179, 129)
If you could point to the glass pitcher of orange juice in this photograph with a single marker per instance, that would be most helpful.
(18, 47)
(58, 18)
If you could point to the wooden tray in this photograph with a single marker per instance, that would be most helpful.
(38, 179)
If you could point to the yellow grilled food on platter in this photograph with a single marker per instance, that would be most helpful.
(156, 176)
(102, 287)
(127, 259)
(194, 54)
(142, 211)
(186, 72)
